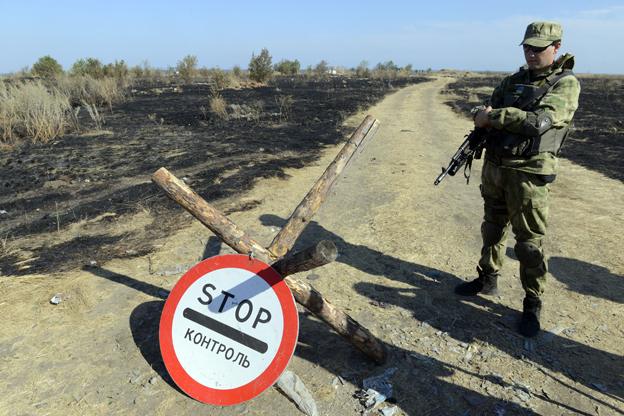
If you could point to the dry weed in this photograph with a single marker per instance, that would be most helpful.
(284, 103)
(218, 106)
(30, 110)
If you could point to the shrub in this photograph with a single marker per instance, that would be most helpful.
(187, 68)
(362, 70)
(119, 71)
(220, 78)
(142, 71)
(260, 68)
(47, 67)
(286, 67)
(237, 71)
(30, 110)
(79, 89)
(284, 103)
(321, 69)
(386, 70)
(90, 66)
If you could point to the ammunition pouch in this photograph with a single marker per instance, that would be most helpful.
(505, 145)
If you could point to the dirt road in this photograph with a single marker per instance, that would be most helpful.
(403, 246)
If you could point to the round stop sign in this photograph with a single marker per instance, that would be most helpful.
(228, 329)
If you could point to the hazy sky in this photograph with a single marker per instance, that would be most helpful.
(474, 35)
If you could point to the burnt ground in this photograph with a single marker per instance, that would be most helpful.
(403, 245)
(104, 175)
(597, 139)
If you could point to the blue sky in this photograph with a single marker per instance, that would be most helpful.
(472, 35)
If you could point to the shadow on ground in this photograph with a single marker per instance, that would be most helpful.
(431, 299)
(587, 279)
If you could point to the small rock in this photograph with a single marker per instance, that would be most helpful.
(381, 383)
(370, 398)
(132, 252)
(56, 299)
(379, 304)
(92, 263)
(338, 381)
(87, 180)
(292, 386)
(389, 411)
(153, 380)
(3, 212)
(313, 276)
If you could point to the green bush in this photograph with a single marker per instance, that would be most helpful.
(286, 67)
(118, 70)
(90, 66)
(260, 68)
(47, 67)
(187, 68)
(237, 72)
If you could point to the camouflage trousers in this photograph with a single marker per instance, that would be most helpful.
(520, 200)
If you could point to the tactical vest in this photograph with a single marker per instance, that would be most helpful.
(527, 97)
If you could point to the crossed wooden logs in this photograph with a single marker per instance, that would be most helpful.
(278, 253)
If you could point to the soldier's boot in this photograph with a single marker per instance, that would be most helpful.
(486, 284)
(530, 321)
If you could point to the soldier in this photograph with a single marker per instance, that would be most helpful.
(527, 122)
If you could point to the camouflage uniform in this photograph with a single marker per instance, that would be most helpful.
(520, 163)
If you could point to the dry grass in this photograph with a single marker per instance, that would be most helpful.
(31, 110)
(104, 91)
(41, 111)
(95, 115)
(218, 106)
(6, 248)
(284, 103)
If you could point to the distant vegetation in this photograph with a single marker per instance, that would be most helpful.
(260, 68)
(47, 101)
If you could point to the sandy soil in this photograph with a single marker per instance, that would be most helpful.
(403, 245)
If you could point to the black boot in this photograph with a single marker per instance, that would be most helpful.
(530, 321)
(485, 284)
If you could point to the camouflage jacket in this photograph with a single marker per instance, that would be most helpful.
(559, 104)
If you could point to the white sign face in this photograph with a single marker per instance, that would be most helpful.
(226, 314)
(228, 329)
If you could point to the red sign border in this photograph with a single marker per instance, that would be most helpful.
(284, 352)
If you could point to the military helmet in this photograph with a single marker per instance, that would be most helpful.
(541, 34)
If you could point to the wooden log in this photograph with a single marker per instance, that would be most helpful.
(285, 239)
(321, 253)
(218, 223)
(336, 318)
(303, 293)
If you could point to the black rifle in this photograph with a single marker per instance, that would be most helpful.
(470, 149)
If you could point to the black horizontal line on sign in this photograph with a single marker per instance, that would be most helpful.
(226, 330)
